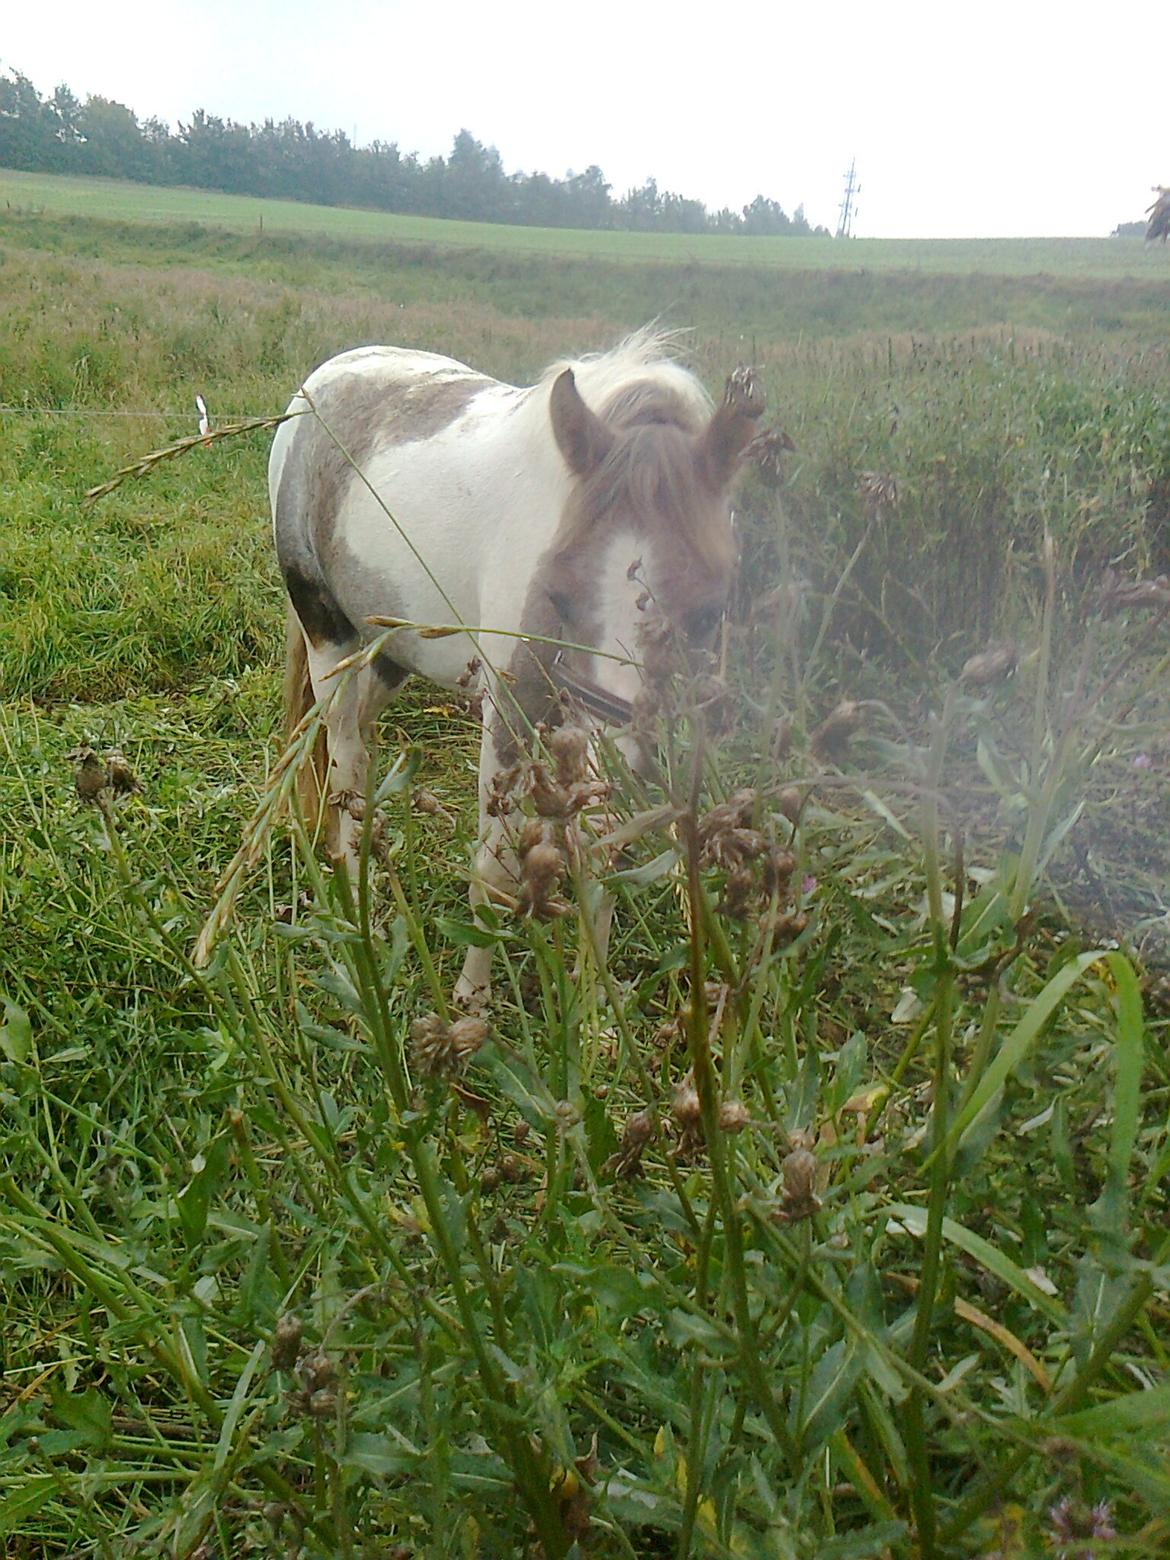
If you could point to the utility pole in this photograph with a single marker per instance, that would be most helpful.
(848, 209)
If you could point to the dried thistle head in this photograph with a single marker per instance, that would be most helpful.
(638, 1131)
(549, 797)
(831, 737)
(658, 650)
(991, 665)
(733, 1116)
(121, 777)
(424, 801)
(767, 451)
(799, 1174)
(569, 747)
(502, 791)
(541, 870)
(789, 802)
(879, 491)
(90, 775)
(737, 893)
(688, 1115)
(442, 1050)
(286, 1341)
(787, 927)
(779, 865)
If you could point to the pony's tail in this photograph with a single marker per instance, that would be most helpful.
(298, 700)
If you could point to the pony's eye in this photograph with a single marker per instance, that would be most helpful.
(702, 623)
(562, 605)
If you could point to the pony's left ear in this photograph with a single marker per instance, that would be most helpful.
(732, 426)
(583, 438)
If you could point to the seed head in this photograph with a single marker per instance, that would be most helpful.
(767, 451)
(122, 778)
(991, 665)
(569, 747)
(686, 1107)
(541, 871)
(424, 801)
(90, 775)
(318, 1371)
(779, 865)
(831, 737)
(627, 1162)
(737, 893)
(442, 1050)
(799, 1172)
(733, 1116)
(879, 491)
(790, 801)
(550, 798)
(286, 1341)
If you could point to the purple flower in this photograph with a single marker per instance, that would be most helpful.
(808, 885)
(1143, 761)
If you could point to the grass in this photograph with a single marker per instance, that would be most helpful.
(831, 1228)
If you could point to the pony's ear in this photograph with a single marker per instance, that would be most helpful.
(732, 426)
(582, 437)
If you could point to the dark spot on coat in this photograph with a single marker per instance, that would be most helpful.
(314, 604)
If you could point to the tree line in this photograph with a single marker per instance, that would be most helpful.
(60, 133)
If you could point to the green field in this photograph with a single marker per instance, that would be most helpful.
(829, 1221)
(119, 200)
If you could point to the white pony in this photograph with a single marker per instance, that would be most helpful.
(416, 488)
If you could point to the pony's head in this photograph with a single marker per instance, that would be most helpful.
(646, 526)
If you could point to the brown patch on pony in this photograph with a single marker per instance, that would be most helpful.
(356, 415)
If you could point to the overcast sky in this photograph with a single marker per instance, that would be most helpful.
(990, 120)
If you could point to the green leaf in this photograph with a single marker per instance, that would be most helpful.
(648, 872)
(463, 934)
(1148, 1410)
(88, 1413)
(1130, 1049)
(988, 1256)
(209, 1170)
(25, 1502)
(377, 1456)
(1017, 1045)
(401, 775)
(15, 1033)
(832, 1383)
(874, 1540)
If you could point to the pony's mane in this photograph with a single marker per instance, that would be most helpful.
(641, 389)
(641, 380)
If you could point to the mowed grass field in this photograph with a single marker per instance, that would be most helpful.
(829, 1220)
(121, 200)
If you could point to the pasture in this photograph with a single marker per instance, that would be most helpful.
(830, 1218)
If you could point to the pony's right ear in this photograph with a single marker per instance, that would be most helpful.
(582, 437)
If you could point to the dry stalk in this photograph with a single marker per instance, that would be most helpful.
(146, 463)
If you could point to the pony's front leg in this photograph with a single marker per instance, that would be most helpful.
(495, 868)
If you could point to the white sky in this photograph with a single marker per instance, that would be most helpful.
(992, 119)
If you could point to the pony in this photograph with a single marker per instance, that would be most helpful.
(415, 488)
